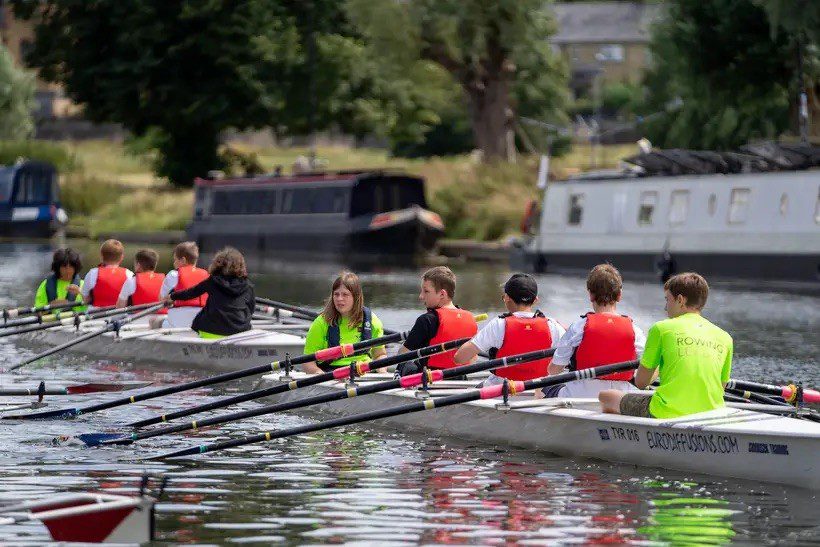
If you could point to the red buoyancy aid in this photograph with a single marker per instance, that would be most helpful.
(522, 335)
(188, 277)
(453, 323)
(110, 280)
(148, 285)
(607, 339)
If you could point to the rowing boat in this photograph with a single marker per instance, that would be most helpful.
(731, 442)
(137, 342)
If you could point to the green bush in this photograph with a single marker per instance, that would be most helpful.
(82, 195)
(56, 154)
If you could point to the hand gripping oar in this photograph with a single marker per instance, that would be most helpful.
(308, 314)
(112, 326)
(411, 380)
(75, 319)
(490, 392)
(336, 352)
(19, 312)
(76, 389)
(790, 393)
(340, 373)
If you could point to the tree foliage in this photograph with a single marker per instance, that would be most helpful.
(16, 99)
(734, 72)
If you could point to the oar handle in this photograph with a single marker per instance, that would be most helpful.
(787, 392)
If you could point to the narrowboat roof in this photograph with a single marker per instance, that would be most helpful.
(350, 176)
(27, 163)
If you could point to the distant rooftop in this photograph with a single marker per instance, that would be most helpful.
(604, 22)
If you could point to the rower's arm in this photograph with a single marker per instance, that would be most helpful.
(466, 353)
(311, 368)
(645, 376)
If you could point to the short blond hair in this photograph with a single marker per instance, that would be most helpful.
(111, 250)
(441, 277)
(187, 250)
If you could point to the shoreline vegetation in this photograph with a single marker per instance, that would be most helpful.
(108, 188)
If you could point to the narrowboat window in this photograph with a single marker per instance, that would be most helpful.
(784, 204)
(378, 199)
(339, 201)
(739, 205)
(287, 201)
(6, 184)
(817, 208)
(397, 204)
(326, 200)
(678, 206)
(711, 205)
(301, 203)
(647, 207)
(576, 209)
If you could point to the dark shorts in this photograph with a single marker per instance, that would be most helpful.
(636, 404)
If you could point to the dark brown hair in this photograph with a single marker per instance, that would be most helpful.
(604, 283)
(66, 257)
(187, 250)
(228, 263)
(692, 286)
(441, 277)
(350, 281)
(147, 259)
(111, 250)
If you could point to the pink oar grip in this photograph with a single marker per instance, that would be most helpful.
(809, 395)
(413, 380)
(491, 392)
(335, 352)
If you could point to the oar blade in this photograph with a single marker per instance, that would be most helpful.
(96, 439)
(49, 414)
(95, 387)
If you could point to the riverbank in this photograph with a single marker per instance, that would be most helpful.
(108, 189)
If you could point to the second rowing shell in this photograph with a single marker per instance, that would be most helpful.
(730, 442)
(177, 346)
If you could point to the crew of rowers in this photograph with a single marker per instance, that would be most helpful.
(215, 302)
(689, 356)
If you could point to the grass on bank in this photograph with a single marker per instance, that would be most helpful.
(107, 189)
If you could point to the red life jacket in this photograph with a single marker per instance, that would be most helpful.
(607, 339)
(147, 289)
(522, 335)
(188, 277)
(453, 323)
(110, 280)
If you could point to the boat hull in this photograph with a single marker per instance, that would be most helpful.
(728, 442)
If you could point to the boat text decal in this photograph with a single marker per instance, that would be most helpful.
(675, 442)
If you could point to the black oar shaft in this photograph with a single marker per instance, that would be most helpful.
(300, 383)
(99, 313)
(356, 391)
(18, 312)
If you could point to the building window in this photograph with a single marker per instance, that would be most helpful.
(739, 205)
(711, 205)
(784, 204)
(576, 209)
(649, 200)
(678, 206)
(611, 53)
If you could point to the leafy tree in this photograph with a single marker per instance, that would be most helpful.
(732, 70)
(16, 99)
(497, 52)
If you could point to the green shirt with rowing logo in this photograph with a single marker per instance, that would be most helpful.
(695, 360)
(316, 338)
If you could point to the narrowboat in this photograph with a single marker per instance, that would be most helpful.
(30, 200)
(328, 214)
(752, 214)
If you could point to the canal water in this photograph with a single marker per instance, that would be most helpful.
(367, 485)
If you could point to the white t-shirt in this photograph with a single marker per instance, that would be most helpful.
(177, 317)
(589, 388)
(90, 281)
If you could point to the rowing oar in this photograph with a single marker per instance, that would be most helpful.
(18, 312)
(341, 373)
(490, 392)
(75, 319)
(76, 389)
(409, 381)
(111, 326)
(789, 393)
(336, 352)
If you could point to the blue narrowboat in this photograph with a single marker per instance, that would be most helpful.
(30, 200)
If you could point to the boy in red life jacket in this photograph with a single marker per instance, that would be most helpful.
(520, 330)
(184, 276)
(144, 287)
(600, 337)
(443, 321)
(102, 285)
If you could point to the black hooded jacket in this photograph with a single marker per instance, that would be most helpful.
(229, 308)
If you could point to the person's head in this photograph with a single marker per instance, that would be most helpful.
(145, 260)
(685, 293)
(520, 292)
(111, 252)
(186, 254)
(438, 287)
(66, 264)
(346, 300)
(229, 263)
(604, 284)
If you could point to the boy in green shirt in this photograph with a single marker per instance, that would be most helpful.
(64, 283)
(693, 356)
